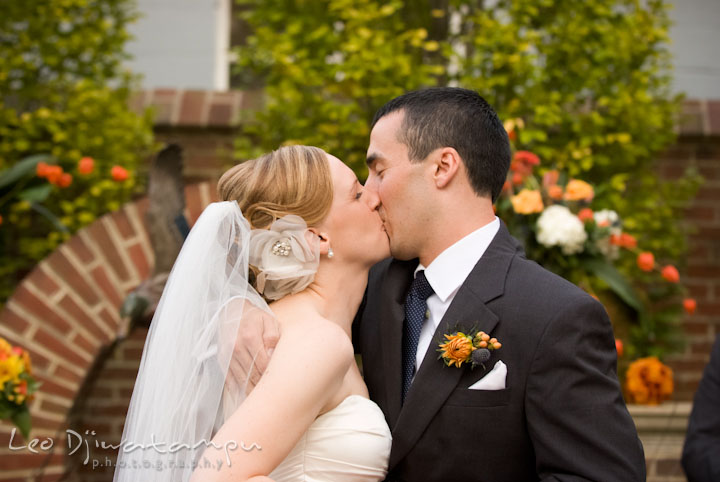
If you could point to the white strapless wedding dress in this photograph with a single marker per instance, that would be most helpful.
(349, 443)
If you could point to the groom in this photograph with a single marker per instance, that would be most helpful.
(547, 404)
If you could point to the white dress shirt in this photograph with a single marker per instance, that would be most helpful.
(446, 274)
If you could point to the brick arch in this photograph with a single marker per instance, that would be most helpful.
(65, 313)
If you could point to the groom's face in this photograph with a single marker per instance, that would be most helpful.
(400, 185)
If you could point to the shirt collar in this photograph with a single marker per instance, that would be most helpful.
(450, 269)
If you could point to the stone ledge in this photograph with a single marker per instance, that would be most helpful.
(205, 108)
(670, 417)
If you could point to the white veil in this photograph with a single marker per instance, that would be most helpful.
(182, 392)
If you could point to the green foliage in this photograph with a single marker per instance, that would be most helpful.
(591, 80)
(63, 94)
(327, 66)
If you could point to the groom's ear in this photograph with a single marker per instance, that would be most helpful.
(447, 164)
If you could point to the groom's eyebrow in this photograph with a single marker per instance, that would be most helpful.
(371, 159)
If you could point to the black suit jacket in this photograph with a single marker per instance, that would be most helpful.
(561, 415)
(701, 454)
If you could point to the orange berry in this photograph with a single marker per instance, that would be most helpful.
(497, 345)
(690, 305)
(119, 173)
(628, 241)
(646, 261)
(670, 273)
(483, 344)
(53, 174)
(41, 169)
(86, 165)
(65, 180)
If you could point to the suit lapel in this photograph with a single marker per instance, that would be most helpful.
(434, 381)
(392, 318)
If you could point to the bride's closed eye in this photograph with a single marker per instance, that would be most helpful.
(358, 195)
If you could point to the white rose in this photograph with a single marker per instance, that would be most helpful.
(284, 257)
(557, 226)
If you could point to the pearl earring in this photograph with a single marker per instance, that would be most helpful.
(330, 253)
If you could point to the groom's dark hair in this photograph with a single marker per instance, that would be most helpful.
(458, 118)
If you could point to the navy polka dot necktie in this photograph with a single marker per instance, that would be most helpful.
(415, 314)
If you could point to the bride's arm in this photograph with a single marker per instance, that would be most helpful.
(306, 369)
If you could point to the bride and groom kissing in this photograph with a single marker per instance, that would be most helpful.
(301, 266)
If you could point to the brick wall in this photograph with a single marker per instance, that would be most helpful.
(65, 311)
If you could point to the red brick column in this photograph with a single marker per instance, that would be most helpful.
(63, 313)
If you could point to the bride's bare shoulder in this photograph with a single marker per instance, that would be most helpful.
(306, 335)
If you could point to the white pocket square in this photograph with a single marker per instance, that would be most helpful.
(495, 380)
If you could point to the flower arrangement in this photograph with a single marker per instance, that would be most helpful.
(648, 381)
(17, 386)
(473, 348)
(566, 228)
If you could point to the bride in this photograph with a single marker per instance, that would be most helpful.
(296, 230)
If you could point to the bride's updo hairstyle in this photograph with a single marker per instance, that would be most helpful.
(291, 180)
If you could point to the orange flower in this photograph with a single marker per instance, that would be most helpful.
(119, 173)
(577, 190)
(86, 165)
(511, 135)
(53, 174)
(527, 157)
(506, 186)
(5, 347)
(457, 349)
(22, 388)
(27, 362)
(585, 215)
(670, 273)
(65, 180)
(41, 169)
(555, 192)
(527, 202)
(690, 305)
(619, 346)
(646, 261)
(517, 178)
(628, 241)
(649, 381)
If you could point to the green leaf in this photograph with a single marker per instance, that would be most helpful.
(23, 421)
(50, 217)
(23, 168)
(36, 194)
(617, 283)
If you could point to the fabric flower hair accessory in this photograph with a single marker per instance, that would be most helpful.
(473, 348)
(283, 255)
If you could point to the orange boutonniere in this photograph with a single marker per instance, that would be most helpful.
(473, 348)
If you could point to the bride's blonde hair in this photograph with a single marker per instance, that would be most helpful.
(290, 180)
